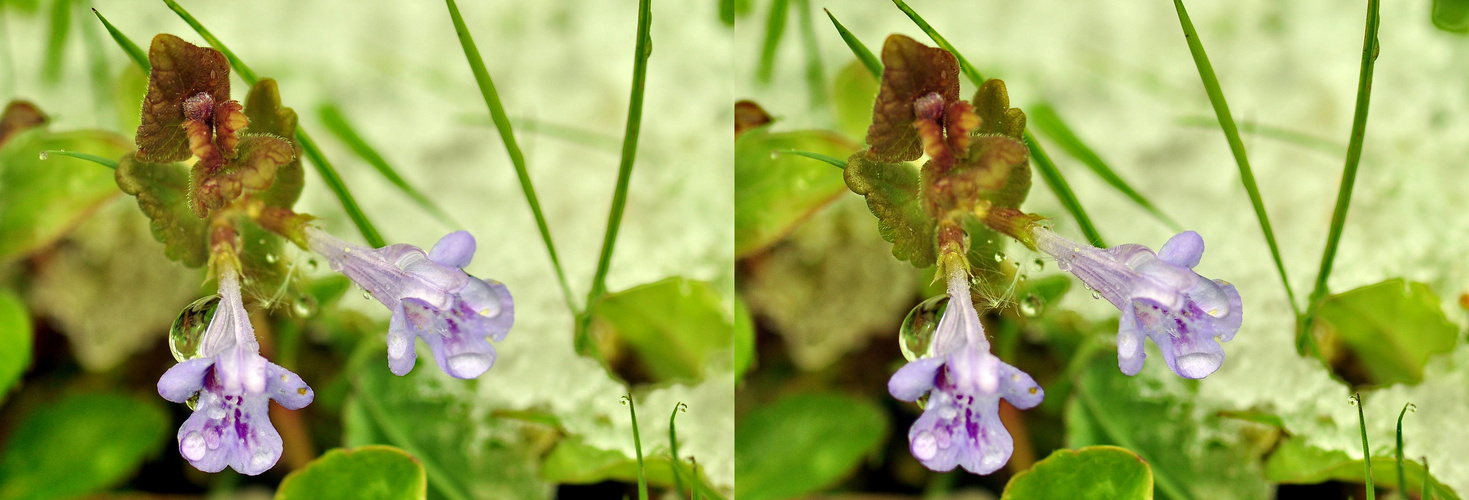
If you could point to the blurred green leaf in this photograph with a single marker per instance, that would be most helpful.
(573, 461)
(1390, 327)
(1295, 462)
(263, 108)
(803, 443)
(1154, 415)
(774, 192)
(675, 326)
(1091, 472)
(1451, 15)
(15, 340)
(56, 40)
(775, 26)
(891, 190)
(369, 472)
(162, 190)
(79, 445)
(41, 199)
(465, 456)
(853, 92)
(744, 338)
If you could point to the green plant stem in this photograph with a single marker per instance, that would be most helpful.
(1366, 452)
(873, 65)
(337, 124)
(56, 40)
(835, 162)
(775, 26)
(1349, 171)
(673, 448)
(1237, 147)
(323, 167)
(1403, 478)
(106, 162)
(507, 135)
(629, 154)
(637, 444)
(133, 51)
(1063, 190)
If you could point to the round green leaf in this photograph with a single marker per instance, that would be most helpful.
(804, 443)
(1091, 472)
(369, 472)
(80, 445)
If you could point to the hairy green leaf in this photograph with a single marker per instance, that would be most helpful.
(892, 192)
(162, 190)
(267, 116)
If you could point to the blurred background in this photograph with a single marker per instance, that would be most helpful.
(87, 297)
(828, 301)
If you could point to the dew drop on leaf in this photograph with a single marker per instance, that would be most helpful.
(915, 337)
(304, 306)
(1032, 305)
(187, 333)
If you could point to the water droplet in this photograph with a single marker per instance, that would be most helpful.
(272, 258)
(774, 155)
(304, 306)
(1063, 265)
(915, 337)
(187, 333)
(1096, 295)
(925, 446)
(192, 446)
(1032, 305)
(366, 294)
(999, 256)
(311, 264)
(45, 155)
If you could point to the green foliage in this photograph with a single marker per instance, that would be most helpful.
(676, 327)
(41, 199)
(1091, 472)
(910, 70)
(803, 443)
(162, 190)
(744, 339)
(1391, 328)
(368, 473)
(267, 116)
(1451, 15)
(1296, 462)
(892, 192)
(853, 91)
(573, 461)
(15, 340)
(773, 191)
(1152, 414)
(466, 456)
(79, 445)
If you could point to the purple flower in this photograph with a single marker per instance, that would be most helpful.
(231, 423)
(430, 297)
(1160, 296)
(961, 424)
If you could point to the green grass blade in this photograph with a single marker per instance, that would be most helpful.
(775, 27)
(507, 135)
(56, 40)
(1050, 124)
(637, 443)
(629, 150)
(1285, 135)
(318, 160)
(106, 162)
(869, 60)
(815, 74)
(1237, 147)
(1366, 452)
(1403, 478)
(673, 448)
(1063, 192)
(133, 51)
(1427, 483)
(1354, 156)
(835, 162)
(964, 66)
(338, 126)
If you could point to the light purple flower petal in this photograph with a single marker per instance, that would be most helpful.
(287, 388)
(402, 353)
(1183, 249)
(455, 249)
(1019, 388)
(458, 337)
(1130, 352)
(915, 379)
(490, 299)
(181, 382)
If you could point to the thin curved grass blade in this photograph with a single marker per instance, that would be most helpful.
(863, 54)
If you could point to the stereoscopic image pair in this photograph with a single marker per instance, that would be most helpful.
(953, 250)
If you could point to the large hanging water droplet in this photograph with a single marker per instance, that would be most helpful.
(187, 333)
(1032, 305)
(915, 337)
